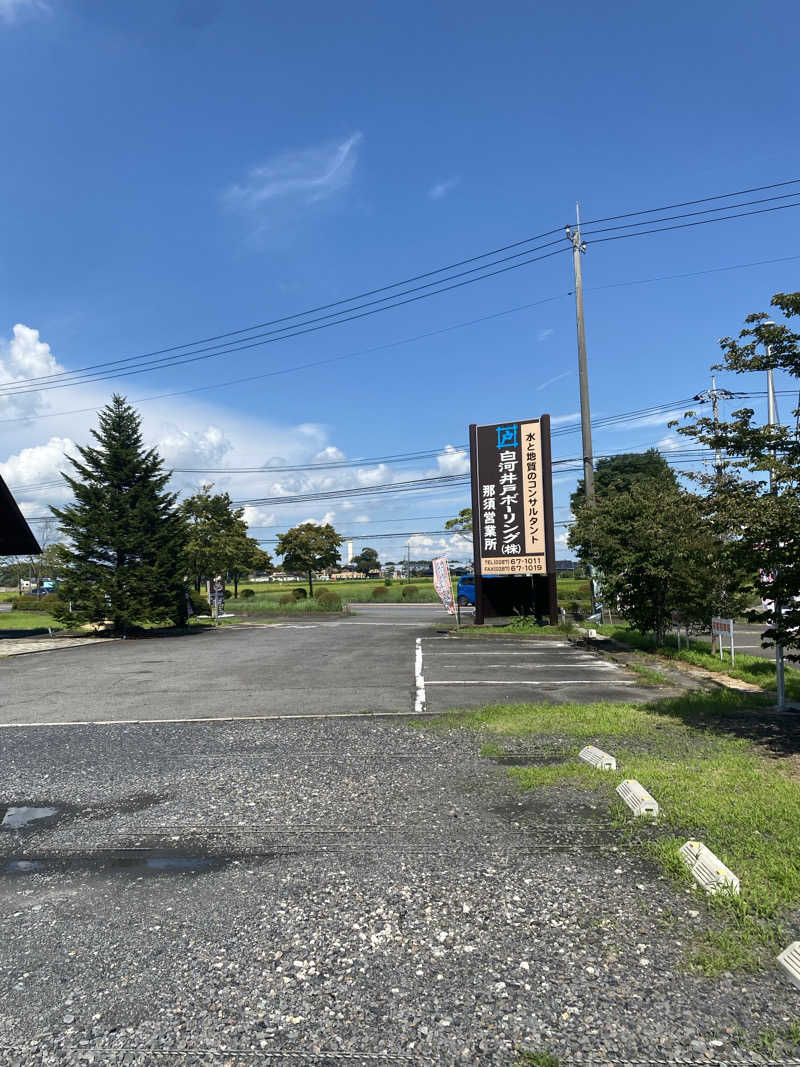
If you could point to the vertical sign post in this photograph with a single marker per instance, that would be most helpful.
(512, 505)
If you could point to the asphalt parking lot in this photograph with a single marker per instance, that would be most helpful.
(232, 860)
(365, 664)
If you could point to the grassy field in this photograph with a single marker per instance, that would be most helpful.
(27, 623)
(699, 757)
(752, 669)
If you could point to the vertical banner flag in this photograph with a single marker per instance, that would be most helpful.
(443, 584)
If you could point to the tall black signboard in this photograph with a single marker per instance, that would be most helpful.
(512, 504)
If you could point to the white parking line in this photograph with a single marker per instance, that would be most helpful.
(520, 652)
(419, 702)
(599, 667)
(544, 681)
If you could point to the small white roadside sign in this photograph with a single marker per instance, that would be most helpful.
(723, 628)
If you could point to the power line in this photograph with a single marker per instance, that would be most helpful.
(65, 378)
(688, 274)
(690, 203)
(445, 450)
(402, 341)
(313, 310)
(704, 211)
(162, 364)
(305, 366)
(687, 225)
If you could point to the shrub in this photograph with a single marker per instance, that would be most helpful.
(299, 593)
(387, 581)
(248, 594)
(329, 600)
(409, 591)
(199, 601)
(380, 592)
(287, 598)
(44, 603)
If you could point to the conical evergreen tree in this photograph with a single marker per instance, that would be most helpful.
(125, 557)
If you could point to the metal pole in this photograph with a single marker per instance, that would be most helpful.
(715, 409)
(578, 249)
(772, 414)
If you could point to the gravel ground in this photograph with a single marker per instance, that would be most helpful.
(356, 892)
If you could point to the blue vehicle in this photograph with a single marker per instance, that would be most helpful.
(466, 590)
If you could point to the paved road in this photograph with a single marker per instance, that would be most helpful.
(365, 664)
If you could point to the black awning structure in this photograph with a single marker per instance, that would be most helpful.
(16, 538)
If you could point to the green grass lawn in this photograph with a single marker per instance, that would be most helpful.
(752, 669)
(713, 782)
(27, 623)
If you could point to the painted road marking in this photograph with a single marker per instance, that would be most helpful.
(419, 701)
(523, 681)
(216, 718)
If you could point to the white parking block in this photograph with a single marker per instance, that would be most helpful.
(597, 758)
(789, 963)
(709, 872)
(637, 798)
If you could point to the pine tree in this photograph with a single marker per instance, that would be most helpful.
(125, 555)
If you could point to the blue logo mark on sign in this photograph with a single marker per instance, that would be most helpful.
(507, 436)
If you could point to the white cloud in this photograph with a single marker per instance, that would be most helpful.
(289, 183)
(452, 545)
(669, 443)
(329, 516)
(184, 448)
(24, 356)
(256, 516)
(441, 189)
(451, 461)
(558, 378)
(331, 454)
(572, 417)
(361, 518)
(544, 334)
(10, 9)
(38, 466)
(651, 420)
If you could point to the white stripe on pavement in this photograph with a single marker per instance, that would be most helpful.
(546, 681)
(419, 701)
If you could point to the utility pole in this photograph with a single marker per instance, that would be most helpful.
(578, 249)
(715, 395)
(772, 417)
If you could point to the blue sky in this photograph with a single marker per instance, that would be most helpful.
(174, 170)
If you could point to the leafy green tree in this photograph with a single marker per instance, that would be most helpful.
(124, 558)
(309, 547)
(756, 492)
(661, 551)
(217, 539)
(462, 523)
(366, 561)
(624, 471)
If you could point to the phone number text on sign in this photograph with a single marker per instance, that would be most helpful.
(513, 564)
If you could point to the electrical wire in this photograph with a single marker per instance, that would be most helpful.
(692, 214)
(202, 355)
(314, 310)
(688, 225)
(63, 378)
(690, 203)
(305, 366)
